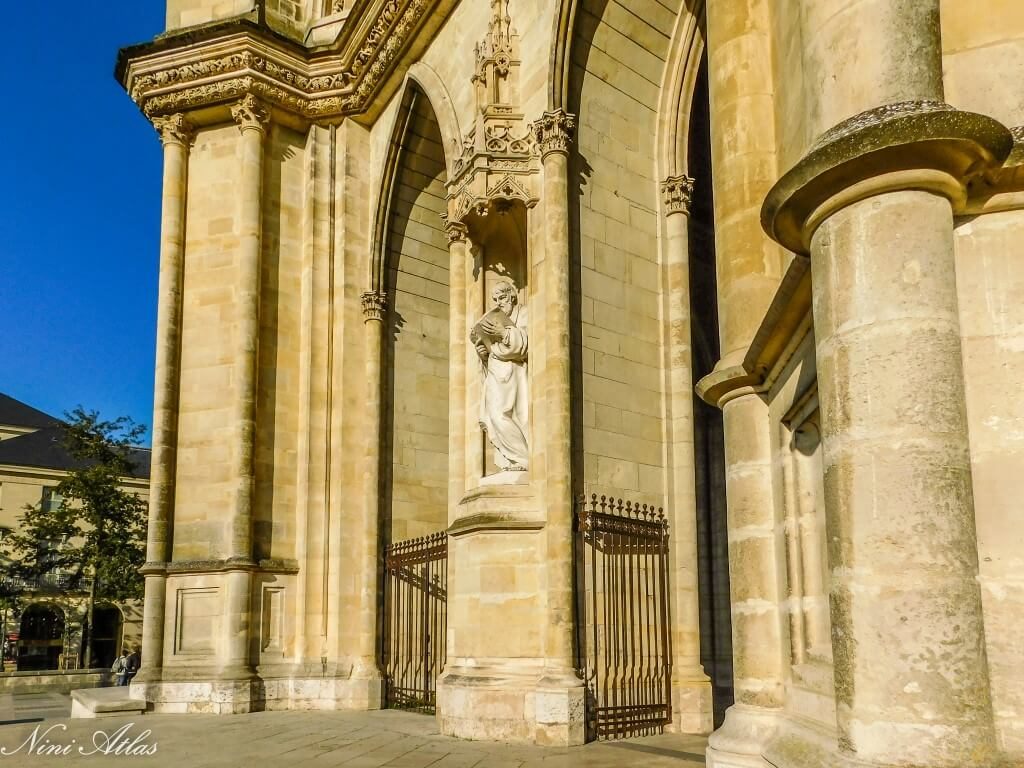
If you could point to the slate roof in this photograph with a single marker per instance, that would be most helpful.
(44, 448)
(14, 413)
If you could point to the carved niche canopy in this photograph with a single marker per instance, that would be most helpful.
(222, 62)
(498, 163)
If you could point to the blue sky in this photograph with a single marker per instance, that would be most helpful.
(79, 211)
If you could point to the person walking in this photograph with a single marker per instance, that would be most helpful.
(131, 665)
(119, 667)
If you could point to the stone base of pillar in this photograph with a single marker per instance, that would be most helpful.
(560, 705)
(692, 706)
(506, 704)
(741, 741)
(208, 697)
(801, 743)
(257, 694)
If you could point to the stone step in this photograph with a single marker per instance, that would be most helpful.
(105, 702)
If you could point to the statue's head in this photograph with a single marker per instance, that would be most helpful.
(504, 297)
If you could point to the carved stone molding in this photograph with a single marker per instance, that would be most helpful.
(251, 114)
(174, 129)
(375, 304)
(677, 192)
(554, 132)
(219, 65)
(924, 145)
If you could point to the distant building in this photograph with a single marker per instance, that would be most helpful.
(45, 632)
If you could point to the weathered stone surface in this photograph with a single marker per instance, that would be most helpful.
(319, 397)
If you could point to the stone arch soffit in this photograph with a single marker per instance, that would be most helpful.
(421, 82)
(678, 83)
(687, 39)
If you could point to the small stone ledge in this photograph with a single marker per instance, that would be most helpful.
(277, 565)
(910, 145)
(105, 702)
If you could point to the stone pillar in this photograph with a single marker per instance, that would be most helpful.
(560, 701)
(756, 560)
(692, 709)
(252, 117)
(749, 269)
(458, 270)
(176, 134)
(365, 689)
(871, 203)
(908, 640)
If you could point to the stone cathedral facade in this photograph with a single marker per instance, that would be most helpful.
(438, 269)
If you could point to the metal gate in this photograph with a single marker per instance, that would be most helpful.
(415, 621)
(625, 642)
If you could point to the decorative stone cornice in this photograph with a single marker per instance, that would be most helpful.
(677, 193)
(457, 231)
(174, 129)
(375, 304)
(923, 145)
(251, 114)
(227, 61)
(554, 132)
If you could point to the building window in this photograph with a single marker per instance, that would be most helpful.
(52, 501)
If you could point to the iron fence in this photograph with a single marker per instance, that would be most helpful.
(415, 621)
(625, 643)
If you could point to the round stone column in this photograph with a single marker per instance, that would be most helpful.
(872, 203)
(692, 708)
(176, 134)
(559, 701)
(365, 689)
(458, 269)
(908, 639)
(749, 268)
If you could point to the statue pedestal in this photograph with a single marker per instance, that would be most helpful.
(494, 685)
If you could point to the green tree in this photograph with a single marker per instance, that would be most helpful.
(95, 535)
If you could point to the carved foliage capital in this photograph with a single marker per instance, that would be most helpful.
(375, 304)
(174, 129)
(554, 131)
(457, 232)
(251, 113)
(677, 192)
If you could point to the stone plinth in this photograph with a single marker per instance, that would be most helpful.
(496, 683)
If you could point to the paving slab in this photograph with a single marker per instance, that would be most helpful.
(386, 739)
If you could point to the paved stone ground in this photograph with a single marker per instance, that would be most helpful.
(32, 706)
(323, 739)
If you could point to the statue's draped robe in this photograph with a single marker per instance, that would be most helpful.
(504, 408)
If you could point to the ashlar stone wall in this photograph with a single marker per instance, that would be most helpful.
(416, 410)
(208, 349)
(617, 70)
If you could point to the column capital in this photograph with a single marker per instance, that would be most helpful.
(457, 232)
(920, 144)
(175, 129)
(677, 193)
(251, 114)
(375, 304)
(554, 132)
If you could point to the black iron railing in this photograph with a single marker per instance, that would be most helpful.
(626, 642)
(415, 621)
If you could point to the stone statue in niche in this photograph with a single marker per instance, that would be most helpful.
(501, 342)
